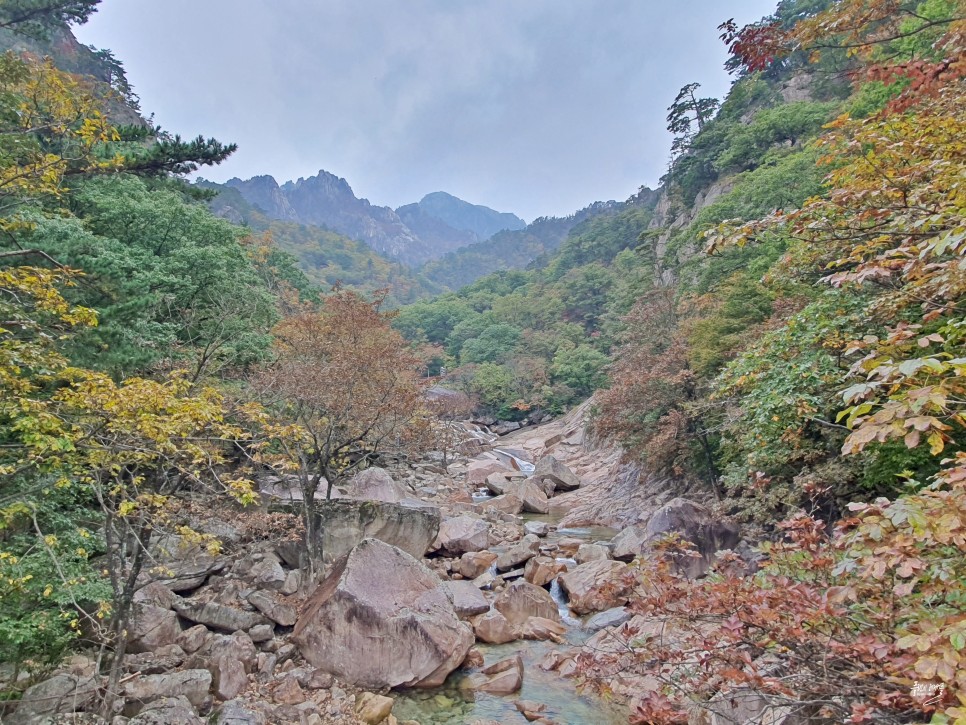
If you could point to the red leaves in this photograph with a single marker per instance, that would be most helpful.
(755, 46)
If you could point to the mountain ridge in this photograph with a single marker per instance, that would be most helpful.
(414, 234)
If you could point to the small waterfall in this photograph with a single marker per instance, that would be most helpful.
(482, 494)
(558, 596)
(515, 461)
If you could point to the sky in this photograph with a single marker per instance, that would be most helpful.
(537, 107)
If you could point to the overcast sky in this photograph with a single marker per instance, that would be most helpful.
(538, 107)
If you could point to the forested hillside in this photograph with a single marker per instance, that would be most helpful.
(776, 333)
(325, 257)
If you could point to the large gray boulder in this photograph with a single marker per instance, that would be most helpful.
(520, 552)
(522, 600)
(596, 586)
(192, 684)
(467, 599)
(695, 523)
(59, 694)
(218, 616)
(630, 542)
(382, 619)
(550, 469)
(167, 711)
(343, 523)
(463, 534)
(279, 612)
(152, 627)
(230, 660)
(375, 484)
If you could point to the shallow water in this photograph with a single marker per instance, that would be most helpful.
(449, 706)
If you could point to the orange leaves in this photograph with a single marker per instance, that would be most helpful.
(344, 379)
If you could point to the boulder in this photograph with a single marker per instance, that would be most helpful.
(596, 586)
(507, 504)
(474, 563)
(534, 499)
(613, 617)
(375, 484)
(278, 612)
(372, 708)
(477, 471)
(267, 573)
(493, 628)
(61, 693)
(192, 684)
(467, 599)
(163, 659)
(591, 552)
(183, 565)
(382, 619)
(568, 545)
(152, 627)
(629, 543)
(537, 528)
(193, 638)
(261, 633)
(550, 469)
(695, 523)
(343, 523)
(542, 570)
(230, 659)
(525, 549)
(288, 691)
(238, 712)
(218, 616)
(168, 711)
(498, 483)
(543, 629)
(522, 600)
(502, 678)
(462, 534)
(156, 594)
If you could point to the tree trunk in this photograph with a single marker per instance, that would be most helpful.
(124, 585)
(313, 552)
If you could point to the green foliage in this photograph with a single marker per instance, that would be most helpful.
(37, 17)
(170, 281)
(492, 384)
(580, 368)
(326, 258)
(494, 344)
(47, 574)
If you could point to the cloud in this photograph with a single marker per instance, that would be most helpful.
(537, 107)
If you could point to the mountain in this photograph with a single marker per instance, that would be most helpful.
(482, 221)
(326, 200)
(326, 257)
(412, 234)
(507, 249)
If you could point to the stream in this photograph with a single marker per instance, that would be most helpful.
(448, 705)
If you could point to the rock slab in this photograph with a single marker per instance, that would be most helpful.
(382, 619)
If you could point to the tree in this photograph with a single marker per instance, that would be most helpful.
(687, 110)
(348, 387)
(36, 17)
(654, 404)
(129, 446)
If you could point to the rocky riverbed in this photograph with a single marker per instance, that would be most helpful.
(456, 593)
